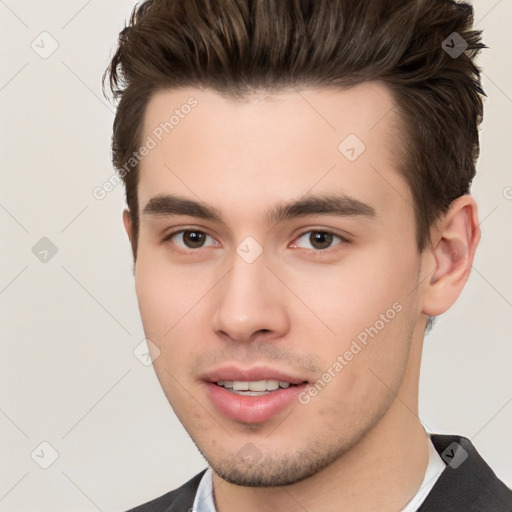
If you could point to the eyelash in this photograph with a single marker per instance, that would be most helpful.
(316, 252)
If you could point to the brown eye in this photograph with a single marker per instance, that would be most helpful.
(318, 240)
(191, 239)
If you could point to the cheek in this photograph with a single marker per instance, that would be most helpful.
(352, 295)
(165, 293)
(163, 307)
(362, 378)
(369, 309)
(166, 309)
(172, 303)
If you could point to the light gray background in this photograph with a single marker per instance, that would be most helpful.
(69, 326)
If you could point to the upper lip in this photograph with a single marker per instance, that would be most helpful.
(255, 373)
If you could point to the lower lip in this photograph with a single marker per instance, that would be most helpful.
(252, 409)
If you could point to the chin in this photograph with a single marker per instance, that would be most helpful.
(251, 468)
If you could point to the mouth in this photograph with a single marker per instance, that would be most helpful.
(252, 395)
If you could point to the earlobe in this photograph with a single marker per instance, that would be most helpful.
(453, 250)
(127, 221)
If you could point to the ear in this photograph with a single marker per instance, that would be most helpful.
(127, 221)
(454, 243)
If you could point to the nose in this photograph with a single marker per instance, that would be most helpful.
(250, 303)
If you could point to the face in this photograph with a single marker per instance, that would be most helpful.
(277, 273)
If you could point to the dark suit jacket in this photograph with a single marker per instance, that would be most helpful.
(472, 486)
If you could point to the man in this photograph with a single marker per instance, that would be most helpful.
(297, 176)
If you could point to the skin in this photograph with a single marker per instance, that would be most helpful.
(297, 307)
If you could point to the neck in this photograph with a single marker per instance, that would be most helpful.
(382, 472)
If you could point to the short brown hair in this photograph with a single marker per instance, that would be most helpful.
(237, 47)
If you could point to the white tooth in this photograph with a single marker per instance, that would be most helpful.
(220, 383)
(258, 385)
(272, 385)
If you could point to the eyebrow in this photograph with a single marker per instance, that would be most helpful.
(339, 205)
(163, 205)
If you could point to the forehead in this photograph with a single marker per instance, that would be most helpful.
(272, 147)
